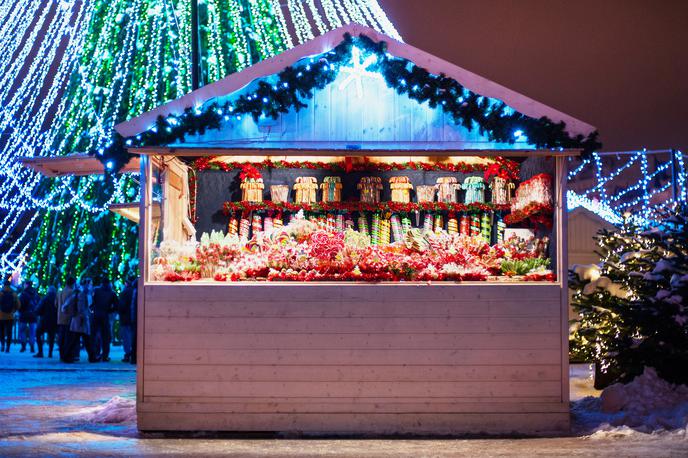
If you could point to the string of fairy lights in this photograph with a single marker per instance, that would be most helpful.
(120, 58)
(642, 199)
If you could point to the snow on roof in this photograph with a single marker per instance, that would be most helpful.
(327, 42)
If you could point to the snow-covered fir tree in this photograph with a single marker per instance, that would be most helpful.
(631, 306)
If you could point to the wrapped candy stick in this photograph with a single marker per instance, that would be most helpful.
(256, 224)
(396, 228)
(385, 227)
(427, 223)
(277, 222)
(330, 222)
(363, 225)
(233, 227)
(486, 227)
(405, 224)
(348, 221)
(465, 228)
(501, 228)
(268, 223)
(339, 223)
(244, 227)
(375, 230)
(439, 223)
(452, 224)
(475, 225)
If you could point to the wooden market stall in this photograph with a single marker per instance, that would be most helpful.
(316, 339)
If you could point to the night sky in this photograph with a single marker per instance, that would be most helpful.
(620, 65)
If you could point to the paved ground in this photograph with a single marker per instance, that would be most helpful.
(45, 406)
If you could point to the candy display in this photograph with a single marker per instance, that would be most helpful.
(301, 251)
(397, 230)
(401, 189)
(370, 188)
(331, 189)
(452, 224)
(278, 222)
(501, 190)
(256, 224)
(405, 224)
(425, 193)
(306, 190)
(268, 224)
(339, 223)
(252, 189)
(465, 228)
(331, 232)
(427, 222)
(446, 189)
(279, 193)
(439, 223)
(363, 225)
(233, 226)
(375, 230)
(475, 189)
(533, 200)
(385, 231)
(501, 229)
(486, 227)
(475, 225)
(244, 227)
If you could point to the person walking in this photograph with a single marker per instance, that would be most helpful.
(66, 308)
(28, 302)
(124, 310)
(80, 324)
(9, 304)
(47, 322)
(104, 303)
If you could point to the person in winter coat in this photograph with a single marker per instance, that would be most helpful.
(47, 321)
(9, 304)
(81, 321)
(104, 303)
(65, 310)
(28, 302)
(124, 310)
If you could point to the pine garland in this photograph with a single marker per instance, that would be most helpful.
(295, 85)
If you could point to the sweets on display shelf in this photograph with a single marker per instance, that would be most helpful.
(331, 189)
(306, 190)
(447, 188)
(401, 189)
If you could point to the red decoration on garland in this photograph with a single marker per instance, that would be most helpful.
(507, 167)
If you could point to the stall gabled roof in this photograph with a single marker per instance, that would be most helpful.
(329, 41)
(73, 164)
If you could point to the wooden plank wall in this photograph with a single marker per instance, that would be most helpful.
(439, 359)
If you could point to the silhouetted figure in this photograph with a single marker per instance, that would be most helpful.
(104, 303)
(28, 302)
(80, 325)
(9, 304)
(66, 309)
(47, 321)
(124, 309)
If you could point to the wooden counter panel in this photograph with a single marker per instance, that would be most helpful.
(353, 358)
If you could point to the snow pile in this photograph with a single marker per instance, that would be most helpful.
(116, 410)
(646, 405)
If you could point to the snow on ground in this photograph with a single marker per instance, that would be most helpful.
(647, 406)
(116, 410)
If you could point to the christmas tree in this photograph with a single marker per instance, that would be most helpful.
(127, 57)
(631, 305)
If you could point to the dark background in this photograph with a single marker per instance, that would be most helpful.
(620, 65)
